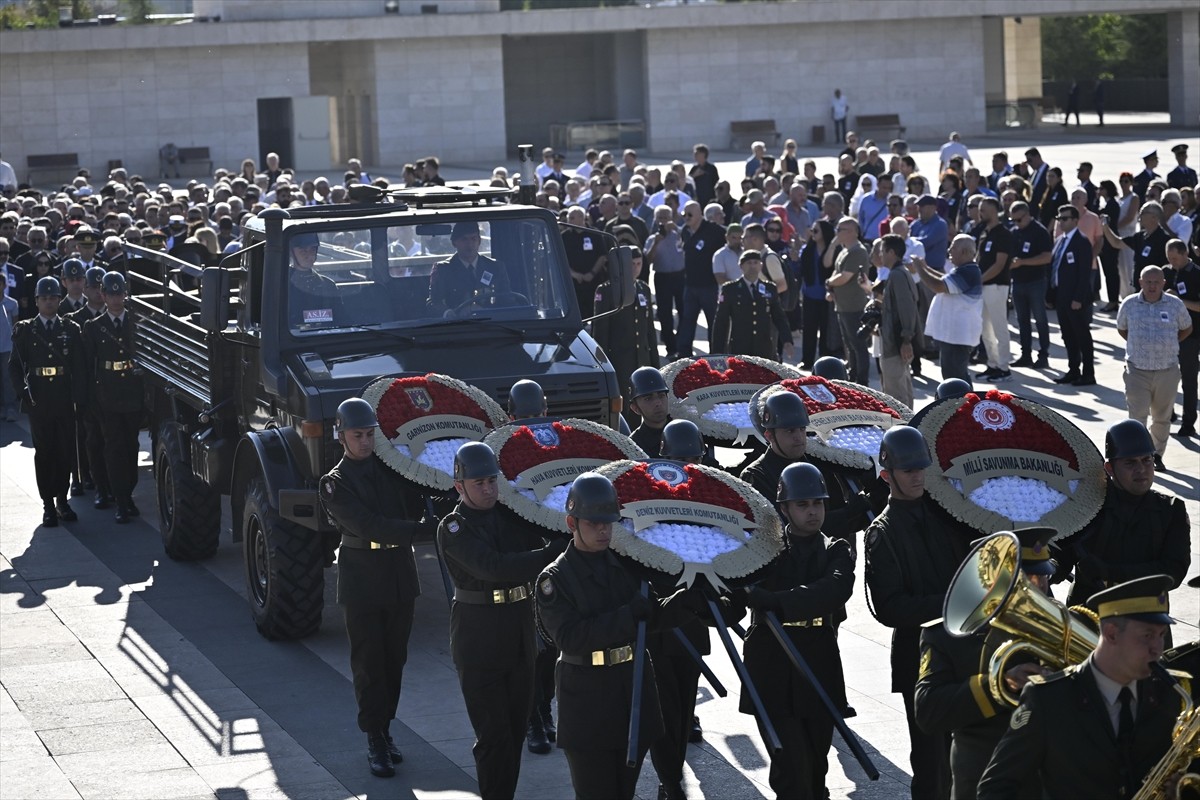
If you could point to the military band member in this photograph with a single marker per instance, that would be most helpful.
(493, 560)
(648, 399)
(377, 575)
(117, 383)
(627, 335)
(952, 693)
(590, 605)
(913, 549)
(806, 586)
(91, 447)
(1095, 729)
(750, 319)
(47, 369)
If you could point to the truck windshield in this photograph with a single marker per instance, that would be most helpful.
(408, 275)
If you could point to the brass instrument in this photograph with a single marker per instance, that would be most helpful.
(989, 587)
(1185, 747)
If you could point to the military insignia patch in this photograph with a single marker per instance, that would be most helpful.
(420, 398)
(926, 663)
(546, 587)
(1020, 718)
(452, 526)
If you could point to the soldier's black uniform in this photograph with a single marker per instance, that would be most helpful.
(493, 560)
(846, 512)
(81, 469)
(813, 579)
(749, 320)
(47, 369)
(628, 336)
(377, 580)
(583, 605)
(117, 386)
(648, 438)
(69, 306)
(913, 550)
(90, 443)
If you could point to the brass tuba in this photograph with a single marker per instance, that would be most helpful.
(989, 587)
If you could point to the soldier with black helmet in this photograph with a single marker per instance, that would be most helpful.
(590, 606)
(952, 694)
(493, 560)
(47, 370)
(913, 550)
(117, 382)
(953, 387)
(526, 400)
(806, 587)
(377, 575)
(90, 444)
(1139, 531)
(831, 368)
(648, 399)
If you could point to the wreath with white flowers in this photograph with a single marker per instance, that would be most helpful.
(540, 459)
(687, 520)
(1001, 461)
(714, 392)
(846, 421)
(424, 419)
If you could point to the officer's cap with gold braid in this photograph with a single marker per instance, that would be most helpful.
(1035, 550)
(1143, 599)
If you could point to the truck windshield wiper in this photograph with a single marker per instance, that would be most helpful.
(488, 321)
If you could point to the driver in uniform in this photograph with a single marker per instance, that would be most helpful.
(312, 297)
(466, 275)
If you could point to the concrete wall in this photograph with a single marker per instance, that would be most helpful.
(1183, 45)
(247, 10)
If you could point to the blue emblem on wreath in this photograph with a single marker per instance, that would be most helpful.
(668, 473)
(544, 434)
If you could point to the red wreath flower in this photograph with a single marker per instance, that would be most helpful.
(522, 451)
(638, 484)
(396, 407)
(847, 398)
(963, 434)
(700, 374)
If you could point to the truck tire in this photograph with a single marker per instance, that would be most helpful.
(189, 510)
(285, 575)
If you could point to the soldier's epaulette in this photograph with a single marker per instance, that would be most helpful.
(1181, 651)
(1055, 676)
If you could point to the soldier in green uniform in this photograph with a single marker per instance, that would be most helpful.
(913, 549)
(1139, 531)
(648, 399)
(952, 695)
(805, 586)
(1095, 729)
(493, 560)
(47, 370)
(92, 443)
(377, 583)
(749, 319)
(590, 606)
(117, 382)
(627, 336)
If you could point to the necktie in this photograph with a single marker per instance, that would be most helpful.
(1058, 251)
(1125, 720)
(117, 324)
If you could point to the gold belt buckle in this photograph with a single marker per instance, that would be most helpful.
(49, 372)
(619, 655)
(499, 595)
(382, 546)
(118, 366)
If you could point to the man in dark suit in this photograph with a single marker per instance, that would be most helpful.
(1097, 728)
(1071, 283)
(467, 276)
(1141, 181)
(1037, 178)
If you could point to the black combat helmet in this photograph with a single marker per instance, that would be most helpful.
(526, 399)
(831, 368)
(48, 287)
(1125, 439)
(784, 410)
(475, 460)
(355, 413)
(681, 441)
(953, 387)
(644, 381)
(801, 481)
(903, 447)
(113, 283)
(594, 498)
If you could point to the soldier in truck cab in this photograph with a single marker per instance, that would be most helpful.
(312, 298)
(466, 275)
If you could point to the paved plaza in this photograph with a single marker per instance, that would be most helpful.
(126, 675)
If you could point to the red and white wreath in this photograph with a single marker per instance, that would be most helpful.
(1001, 461)
(539, 460)
(689, 519)
(715, 391)
(846, 421)
(424, 420)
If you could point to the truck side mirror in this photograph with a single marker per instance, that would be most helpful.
(214, 299)
(620, 275)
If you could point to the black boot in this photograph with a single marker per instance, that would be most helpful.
(76, 488)
(122, 515)
(65, 512)
(393, 751)
(49, 515)
(103, 500)
(548, 721)
(671, 791)
(696, 734)
(535, 736)
(377, 756)
(131, 508)
(1043, 361)
(1024, 361)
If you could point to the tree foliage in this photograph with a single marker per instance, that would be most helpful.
(1104, 45)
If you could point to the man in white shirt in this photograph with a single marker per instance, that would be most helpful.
(725, 261)
(839, 108)
(1180, 225)
(953, 148)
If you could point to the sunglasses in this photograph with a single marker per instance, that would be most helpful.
(1064, 219)
(624, 203)
(774, 230)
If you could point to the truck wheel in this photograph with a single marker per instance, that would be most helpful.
(189, 510)
(285, 576)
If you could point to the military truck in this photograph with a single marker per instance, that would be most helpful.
(246, 362)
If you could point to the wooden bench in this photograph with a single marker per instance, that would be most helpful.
(879, 122)
(54, 163)
(743, 132)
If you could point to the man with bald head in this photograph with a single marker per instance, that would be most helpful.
(955, 319)
(701, 240)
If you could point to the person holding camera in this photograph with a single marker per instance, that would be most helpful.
(665, 254)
